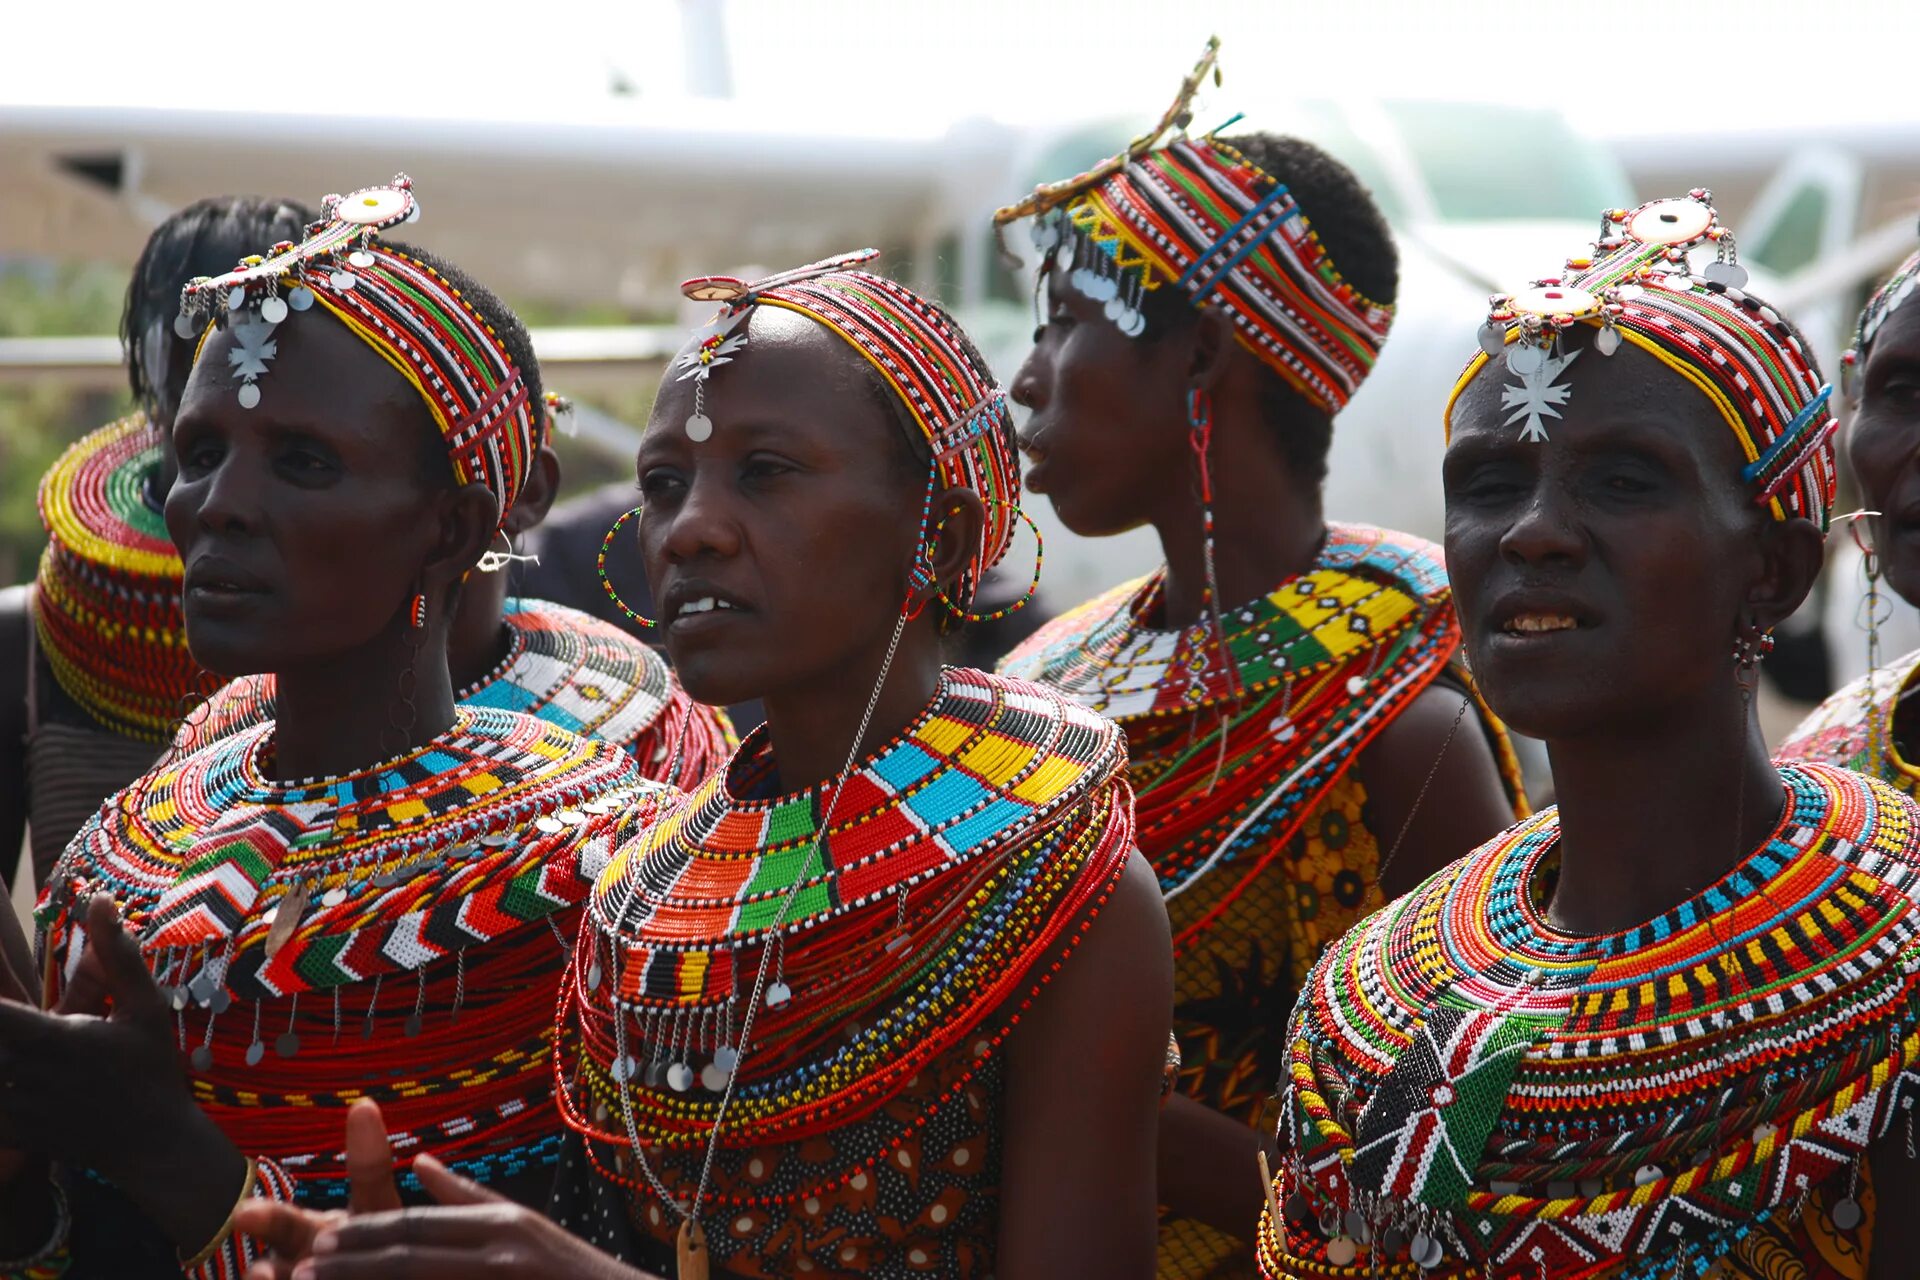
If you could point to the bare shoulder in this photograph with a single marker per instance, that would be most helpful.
(1119, 976)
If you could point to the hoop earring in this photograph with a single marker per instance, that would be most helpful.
(1039, 558)
(417, 611)
(606, 583)
(921, 576)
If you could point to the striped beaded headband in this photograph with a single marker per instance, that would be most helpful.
(402, 308)
(1637, 286)
(916, 349)
(1200, 216)
(1886, 300)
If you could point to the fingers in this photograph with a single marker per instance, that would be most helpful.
(124, 969)
(286, 1229)
(473, 1226)
(370, 1183)
(448, 1187)
(405, 1262)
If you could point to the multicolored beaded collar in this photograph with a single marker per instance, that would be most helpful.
(106, 603)
(1199, 216)
(1641, 1099)
(1325, 660)
(301, 898)
(960, 854)
(1853, 728)
(402, 308)
(1635, 283)
(566, 667)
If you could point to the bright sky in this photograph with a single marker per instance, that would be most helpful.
(913, 66)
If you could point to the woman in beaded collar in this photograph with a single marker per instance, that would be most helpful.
(93, 663)
(1285, 683)
(1873, 724)
(951, 1063)
(1669, 1027)
(358, 418)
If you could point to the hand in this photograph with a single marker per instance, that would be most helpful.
(477, 1233)
(289, 1230)
(97, 1083)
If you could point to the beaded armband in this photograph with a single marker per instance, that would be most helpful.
(53, 1258)
(228, 1255)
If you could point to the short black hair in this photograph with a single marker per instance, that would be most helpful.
(1354, 232)
(207, 238)
(506, 326)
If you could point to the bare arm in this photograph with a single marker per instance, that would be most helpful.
(1210, 1167)
(1896, 1218)
(1083, 1092)
(1465, 804)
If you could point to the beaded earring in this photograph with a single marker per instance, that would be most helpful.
(1876, 612)
(606, 583)
(417, 611)
(1200, 437)
(1033, 586)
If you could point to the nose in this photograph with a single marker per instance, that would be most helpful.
(228, 497)
(702, 523)
(1545, 531)
(1029, 383)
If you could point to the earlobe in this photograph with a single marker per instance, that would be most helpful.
(468, 518)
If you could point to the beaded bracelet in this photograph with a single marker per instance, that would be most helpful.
(53, 1258)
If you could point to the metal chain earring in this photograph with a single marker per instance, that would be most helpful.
(606, 583)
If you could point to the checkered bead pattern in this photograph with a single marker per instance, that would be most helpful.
(1625, 1104)
(1853, 728)
(565, 667)
(960, 855)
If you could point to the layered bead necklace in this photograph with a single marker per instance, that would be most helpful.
(106, 602)
(1643, 1099)
(976, 842)
(273, 914)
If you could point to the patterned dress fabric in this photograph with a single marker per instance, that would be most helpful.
(959, 869)
(566, 667)
(409, 915)
(1249, 806)
(1472, 1093)
(1853, 728)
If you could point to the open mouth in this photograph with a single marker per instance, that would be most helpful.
(1537, 624)
(704, 604)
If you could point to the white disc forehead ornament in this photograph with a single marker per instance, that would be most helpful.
(1556, 300)
(1683, 220)
(378, 207)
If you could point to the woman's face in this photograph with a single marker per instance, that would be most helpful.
(1106, 436)
(778, 548)
(1602, 575)
(303, 523)
(1883, 443)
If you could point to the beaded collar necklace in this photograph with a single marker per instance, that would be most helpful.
(1615, 1096)
(106, 601)
(1853, 729)
(961, 852)
(1326, 659)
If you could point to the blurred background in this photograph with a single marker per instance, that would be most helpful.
(583, 156)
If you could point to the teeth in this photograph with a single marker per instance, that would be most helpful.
(705, 604)
(1532, 623)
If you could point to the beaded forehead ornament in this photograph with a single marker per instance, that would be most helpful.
(1637, 285)
(914, 346)
(1197, 215)
(1886, 300)
(399, 306)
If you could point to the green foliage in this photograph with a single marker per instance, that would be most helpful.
(39, 419)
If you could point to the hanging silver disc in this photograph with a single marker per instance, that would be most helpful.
(1845, 1214)
(1426, 1251)
(1525, 359)
(726, 1057)
(201, 1058)
(255, 1052)
(300, 298)
(713, 1079)
(183, 326)
(1607, 341)
(778, 993)
(287, 1044)
(249, 395)
(1730, 275)
(1493, 337)
(222, 1001)
(415, 1023)
(680, 1077)
(273, 310)
(699, 427)
(1341, 1251)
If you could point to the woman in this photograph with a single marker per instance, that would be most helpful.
(538, 658)
(1869, 725)
(1667, 1028)
(94, 668)
(1284, 682)
(852, 1009)
(303, 927)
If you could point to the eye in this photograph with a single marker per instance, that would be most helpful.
(761, 466)
(305, 462)
(661, 484)
(200, 455)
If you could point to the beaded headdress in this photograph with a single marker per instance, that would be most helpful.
(1637, 285)
(1886, 300)
(914, 346)
(399, 306)
(1197, 215)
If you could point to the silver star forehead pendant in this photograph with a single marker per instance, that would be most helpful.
(1538, 396)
